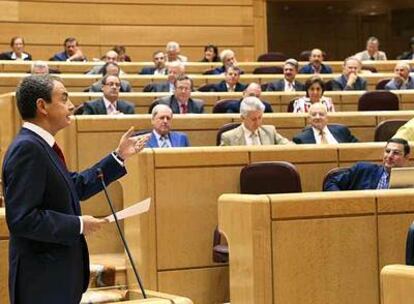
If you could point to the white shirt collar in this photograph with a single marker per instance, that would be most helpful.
(41, 132)
(248, 135)
(14, 56)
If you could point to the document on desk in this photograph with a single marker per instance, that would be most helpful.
(135, 209)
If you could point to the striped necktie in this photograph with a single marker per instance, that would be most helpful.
(164, 142)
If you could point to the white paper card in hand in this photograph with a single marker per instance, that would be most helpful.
(135, 209)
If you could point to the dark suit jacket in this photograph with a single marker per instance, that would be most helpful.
(361, 176)
(159, 87)
(177, 139)
(279, 85)
(49, 260)
(307, 69)
(221, 87)
(97, 107)
(7, 56)
(149, 71)
(340, 132)
(97, 86)
(339, 84)
(234, 107)
(194, 105)
(63, 56)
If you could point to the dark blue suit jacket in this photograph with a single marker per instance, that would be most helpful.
(8, 56)
(339, 84)
(177, 139)
(49, 260)
(221, 87)
(234, 107)
(149, 71)
(97, 107)
(341, 133)
(361, 176)
(307, 69)
(279, 85)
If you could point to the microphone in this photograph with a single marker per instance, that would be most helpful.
(100, 176)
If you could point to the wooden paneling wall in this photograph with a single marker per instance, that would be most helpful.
(141, 25)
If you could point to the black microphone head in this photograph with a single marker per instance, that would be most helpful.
(99, 173)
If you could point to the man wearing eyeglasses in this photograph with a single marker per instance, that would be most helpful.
(181, 102)
(109, 103)
(363, 175)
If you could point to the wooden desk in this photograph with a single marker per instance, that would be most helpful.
(79, 82)
(396, 284)
(191, 67)
(313, 247)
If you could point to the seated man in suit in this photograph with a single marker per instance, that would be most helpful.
(110, 56)
(181, 102)
(172, 49)
(402, 79)
(161, 135)
(110, 68)
(319, 132)
(315, 65)
(175, 69)
(253, 89)
(72, 51)
(372, 51)
(288, 83)
(231, 82)
(109, 103)
(349, 80)
(363, 175)
(158, 57)
(251, 131)
(228, 58)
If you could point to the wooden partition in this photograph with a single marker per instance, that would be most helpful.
(313, 247)
(396, 284)
(7, 66)
(79, 82)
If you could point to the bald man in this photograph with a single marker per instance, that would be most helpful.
(315, 65)
(110, 56)
(319, 132)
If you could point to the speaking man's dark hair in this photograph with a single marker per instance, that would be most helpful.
(30, 89)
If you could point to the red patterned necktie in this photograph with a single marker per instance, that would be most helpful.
(184, 109)
(59, 152)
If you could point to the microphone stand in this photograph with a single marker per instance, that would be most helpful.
(101, 178)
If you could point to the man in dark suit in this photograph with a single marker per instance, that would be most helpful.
(363, 175)
(315, 65)
(181, 102)
(161, 135)
(288, 83)
(49, 260)
(175, 69)
(349, 80)
(110, 68)
(320, 132)
(253, 89)
(71, 52)
(109, 103)
(158, 57)
(231, 82)
(402, 79)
